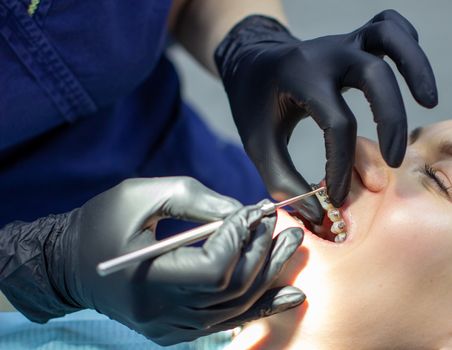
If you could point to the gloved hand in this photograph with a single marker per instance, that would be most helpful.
(273, 80)
(186, 293)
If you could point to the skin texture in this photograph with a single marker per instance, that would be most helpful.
(389, 286)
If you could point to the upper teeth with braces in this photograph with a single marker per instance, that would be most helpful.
(338, 228)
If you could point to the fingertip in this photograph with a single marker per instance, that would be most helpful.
(394, 148)
(338, 188)
(337, 202)
(429, 97)
(287, 298)
(337, 195)
(424, 88)
(287, 243)
(393, 156)
(295, 233)
(393, 139)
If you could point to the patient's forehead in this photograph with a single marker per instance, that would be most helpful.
(436, 131)
(434, 140)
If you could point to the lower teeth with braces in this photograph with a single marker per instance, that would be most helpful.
(338, 228)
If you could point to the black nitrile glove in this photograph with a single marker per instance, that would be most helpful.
(179, 296)
(273, 80)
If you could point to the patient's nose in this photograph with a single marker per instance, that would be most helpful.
(370, 165)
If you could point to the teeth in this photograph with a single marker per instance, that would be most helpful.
(338, 228)
(334, 215)
(324, 200)
(341, 237)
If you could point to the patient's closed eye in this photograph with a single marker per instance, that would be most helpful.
(439, 180)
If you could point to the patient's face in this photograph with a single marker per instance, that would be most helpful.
(394, 273)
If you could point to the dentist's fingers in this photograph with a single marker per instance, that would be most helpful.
(376, 79)
(209, 268)
(393, 15)
(191, 200)
(334, 117)
(282, 178)
(388, 38)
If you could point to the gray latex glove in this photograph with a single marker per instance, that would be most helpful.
(186, 293)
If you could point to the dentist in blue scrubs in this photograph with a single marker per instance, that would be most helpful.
(89, 99)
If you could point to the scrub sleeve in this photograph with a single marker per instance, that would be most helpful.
(93, 100)
(88, 99)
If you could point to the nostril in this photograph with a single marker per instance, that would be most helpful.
(377, 179)
(370, 166)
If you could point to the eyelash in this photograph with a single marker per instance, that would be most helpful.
(430, 172)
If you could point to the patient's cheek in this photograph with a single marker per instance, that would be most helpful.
(287, 277)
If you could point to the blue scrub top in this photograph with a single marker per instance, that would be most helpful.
(88, 98)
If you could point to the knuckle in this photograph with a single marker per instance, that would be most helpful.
(182, 182)
(293, 56)
(183, 186)
(124, 184)
(124, 189)
(395, 18)
(390, 13)
(376, 69)
(188, 181)
(386, 30)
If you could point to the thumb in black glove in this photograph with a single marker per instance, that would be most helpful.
(273, 80)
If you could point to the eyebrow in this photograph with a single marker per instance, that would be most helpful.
(415, 134)
(445, 148)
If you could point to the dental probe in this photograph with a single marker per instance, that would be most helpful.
(187, 237)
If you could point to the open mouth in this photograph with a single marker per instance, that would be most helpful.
(333, 227)
(322, 231)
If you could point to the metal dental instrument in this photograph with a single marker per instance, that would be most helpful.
(188, 237)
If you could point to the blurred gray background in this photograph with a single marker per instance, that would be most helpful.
(313, 18)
